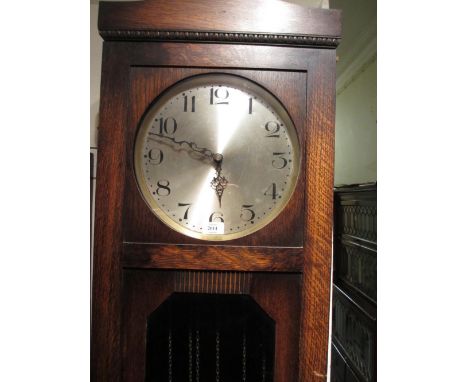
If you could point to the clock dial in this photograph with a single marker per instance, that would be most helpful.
(216, 157)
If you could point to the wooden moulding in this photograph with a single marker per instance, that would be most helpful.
(205, 257)
(269, 22)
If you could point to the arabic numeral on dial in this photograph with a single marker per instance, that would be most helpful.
(216, 217)
(167, 126)
(186, 103)
(271, 191)
(188, 205)
(219, 96)
(163, 188)
(273, 129)
(247, 214)
(155, 156)
(279, 162)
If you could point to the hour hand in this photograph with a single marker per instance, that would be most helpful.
(191, 147)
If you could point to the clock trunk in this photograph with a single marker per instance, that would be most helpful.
(170, 307)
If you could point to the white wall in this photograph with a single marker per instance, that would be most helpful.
(95, 72)
(356, 102)
(356, 128)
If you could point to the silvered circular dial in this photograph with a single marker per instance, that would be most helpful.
(216, 157)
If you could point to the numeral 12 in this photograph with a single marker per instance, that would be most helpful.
(215, 95)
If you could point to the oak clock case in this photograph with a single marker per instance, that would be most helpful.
(153, 259)
(216, 157)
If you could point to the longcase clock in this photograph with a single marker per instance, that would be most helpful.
(214, 192)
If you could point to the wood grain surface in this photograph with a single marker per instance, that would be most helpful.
(256, 16)
(108, 235)
(212, 257)
(318, 219)
(220, 56)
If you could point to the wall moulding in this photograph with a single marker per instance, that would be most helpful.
(363, 53)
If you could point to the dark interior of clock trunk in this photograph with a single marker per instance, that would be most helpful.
(209, 337)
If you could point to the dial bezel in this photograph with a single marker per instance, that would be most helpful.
(199, 80)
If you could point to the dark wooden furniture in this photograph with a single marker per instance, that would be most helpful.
(354, 331)
(142, 269)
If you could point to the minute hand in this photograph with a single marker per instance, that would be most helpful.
(191, 145)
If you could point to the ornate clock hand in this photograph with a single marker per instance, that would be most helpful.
(219, 182)
(190, 145)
